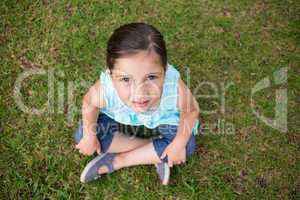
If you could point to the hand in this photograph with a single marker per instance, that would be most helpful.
(88, 145)
(176, 154)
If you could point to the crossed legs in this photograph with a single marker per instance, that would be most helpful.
(131, 151)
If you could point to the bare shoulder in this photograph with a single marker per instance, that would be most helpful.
(95, 95)
(186, 99)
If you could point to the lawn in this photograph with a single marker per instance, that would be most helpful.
(222, 49)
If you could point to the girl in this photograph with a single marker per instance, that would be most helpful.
(140, 89)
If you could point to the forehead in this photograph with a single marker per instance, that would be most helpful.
(141, 63)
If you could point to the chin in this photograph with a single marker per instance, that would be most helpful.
(140, 110)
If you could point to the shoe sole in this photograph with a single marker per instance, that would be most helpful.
(87, 168)
(167, 175)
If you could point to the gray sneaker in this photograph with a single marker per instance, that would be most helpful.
(163, 171)
(90, 172)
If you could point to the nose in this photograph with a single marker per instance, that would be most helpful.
(139, 91)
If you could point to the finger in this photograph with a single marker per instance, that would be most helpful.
(82, 152)
(98, 148)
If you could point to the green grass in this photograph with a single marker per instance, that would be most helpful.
(220, 41)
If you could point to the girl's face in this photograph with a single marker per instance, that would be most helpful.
(139, 80)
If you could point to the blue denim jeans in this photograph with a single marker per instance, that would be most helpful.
(162, 136)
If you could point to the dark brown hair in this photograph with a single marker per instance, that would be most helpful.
(130, 38)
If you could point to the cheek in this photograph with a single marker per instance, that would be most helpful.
(155, 89)
(123, 91)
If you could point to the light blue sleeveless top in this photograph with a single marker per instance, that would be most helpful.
(166, 113)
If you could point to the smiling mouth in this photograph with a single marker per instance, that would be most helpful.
(141, 104)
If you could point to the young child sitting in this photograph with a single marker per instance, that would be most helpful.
(139, 89)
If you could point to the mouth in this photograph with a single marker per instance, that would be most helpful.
(141, 104)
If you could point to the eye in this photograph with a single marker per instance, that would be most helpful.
(152, 77)
(125, 79)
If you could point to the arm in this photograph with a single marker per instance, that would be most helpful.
(91, 104)
(189, 111)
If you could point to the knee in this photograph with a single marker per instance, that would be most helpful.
(191, 146)
(78, 133)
